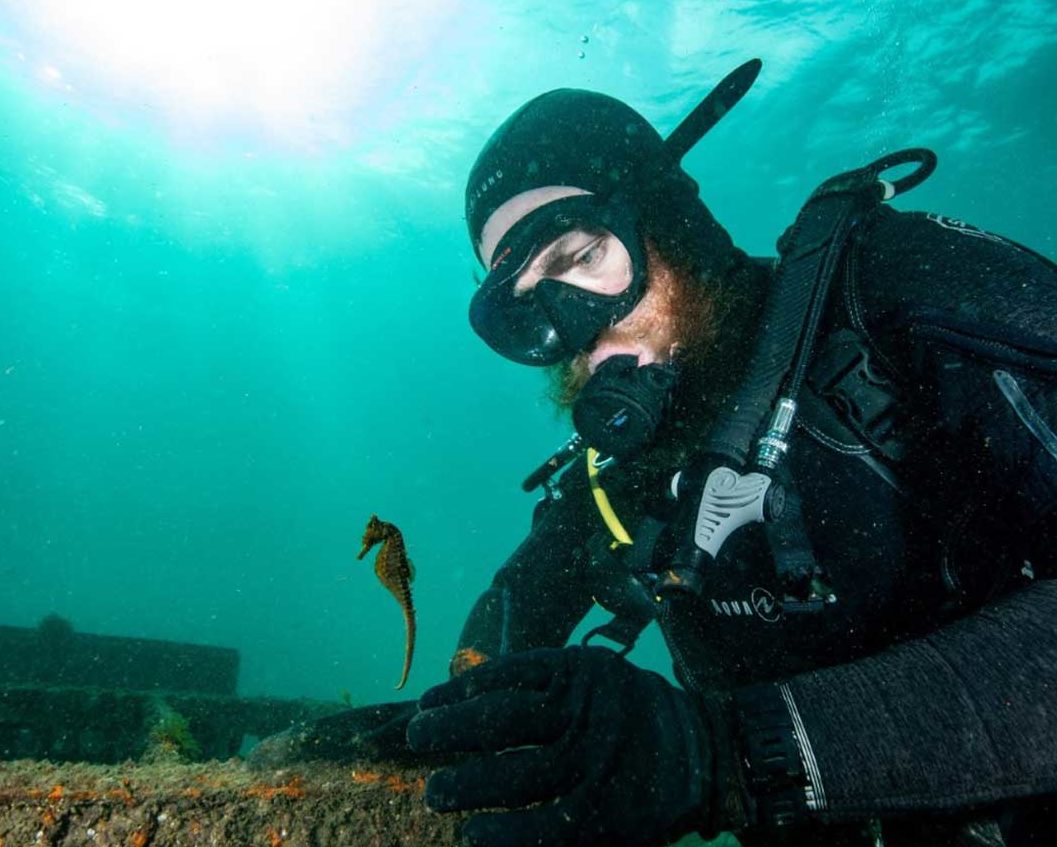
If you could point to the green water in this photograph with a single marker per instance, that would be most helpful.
(226, 339)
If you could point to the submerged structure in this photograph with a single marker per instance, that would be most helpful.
(67, 696)
(132, 741)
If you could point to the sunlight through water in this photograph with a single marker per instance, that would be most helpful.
(294, 73)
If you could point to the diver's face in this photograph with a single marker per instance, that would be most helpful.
(647, 332)
(594, 260)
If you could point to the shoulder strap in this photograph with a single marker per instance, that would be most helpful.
(810, 252)
(751, 432)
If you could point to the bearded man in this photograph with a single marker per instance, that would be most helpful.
(858, 599)
(871, 663)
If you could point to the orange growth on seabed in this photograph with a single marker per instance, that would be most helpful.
(393, 782)
(55, 794)
(122, 794)
(395, 571)
(138, 839)
(365, 777)
(270, 792)
(275, 838)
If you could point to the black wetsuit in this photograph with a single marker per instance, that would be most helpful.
(927, 475)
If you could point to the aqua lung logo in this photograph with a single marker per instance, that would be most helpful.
(761, 604)
(765, 605)
(962, 228)
(484, 186)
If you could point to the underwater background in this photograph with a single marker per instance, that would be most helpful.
(234, 276)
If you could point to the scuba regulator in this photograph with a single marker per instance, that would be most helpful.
(735, 482)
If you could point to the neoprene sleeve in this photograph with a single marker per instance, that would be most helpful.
(539, 595)
(963, 717)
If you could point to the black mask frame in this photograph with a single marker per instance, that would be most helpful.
(555, 320)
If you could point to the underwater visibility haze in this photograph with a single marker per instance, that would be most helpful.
(234, 277)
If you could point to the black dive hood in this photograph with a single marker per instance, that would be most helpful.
(554, 321)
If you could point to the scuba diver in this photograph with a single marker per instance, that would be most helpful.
(830, 478)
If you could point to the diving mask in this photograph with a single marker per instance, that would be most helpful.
(556, 318)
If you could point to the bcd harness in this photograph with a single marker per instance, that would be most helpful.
(738, 476)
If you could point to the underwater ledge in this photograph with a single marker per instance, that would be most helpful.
(172, 804)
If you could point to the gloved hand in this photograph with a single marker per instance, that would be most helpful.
(372, 733)
(611, 753)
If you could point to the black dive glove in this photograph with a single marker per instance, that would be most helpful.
(372, 733)
(611, 753)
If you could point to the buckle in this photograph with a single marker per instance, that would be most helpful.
(866, 401)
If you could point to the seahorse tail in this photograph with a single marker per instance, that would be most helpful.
(409, 643)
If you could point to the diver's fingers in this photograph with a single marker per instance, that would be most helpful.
(532, 669)
(492, 721)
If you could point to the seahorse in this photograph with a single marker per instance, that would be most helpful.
(395, 571)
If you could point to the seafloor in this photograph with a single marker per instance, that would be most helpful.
(167, 804)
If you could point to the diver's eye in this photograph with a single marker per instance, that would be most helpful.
(592, 254)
